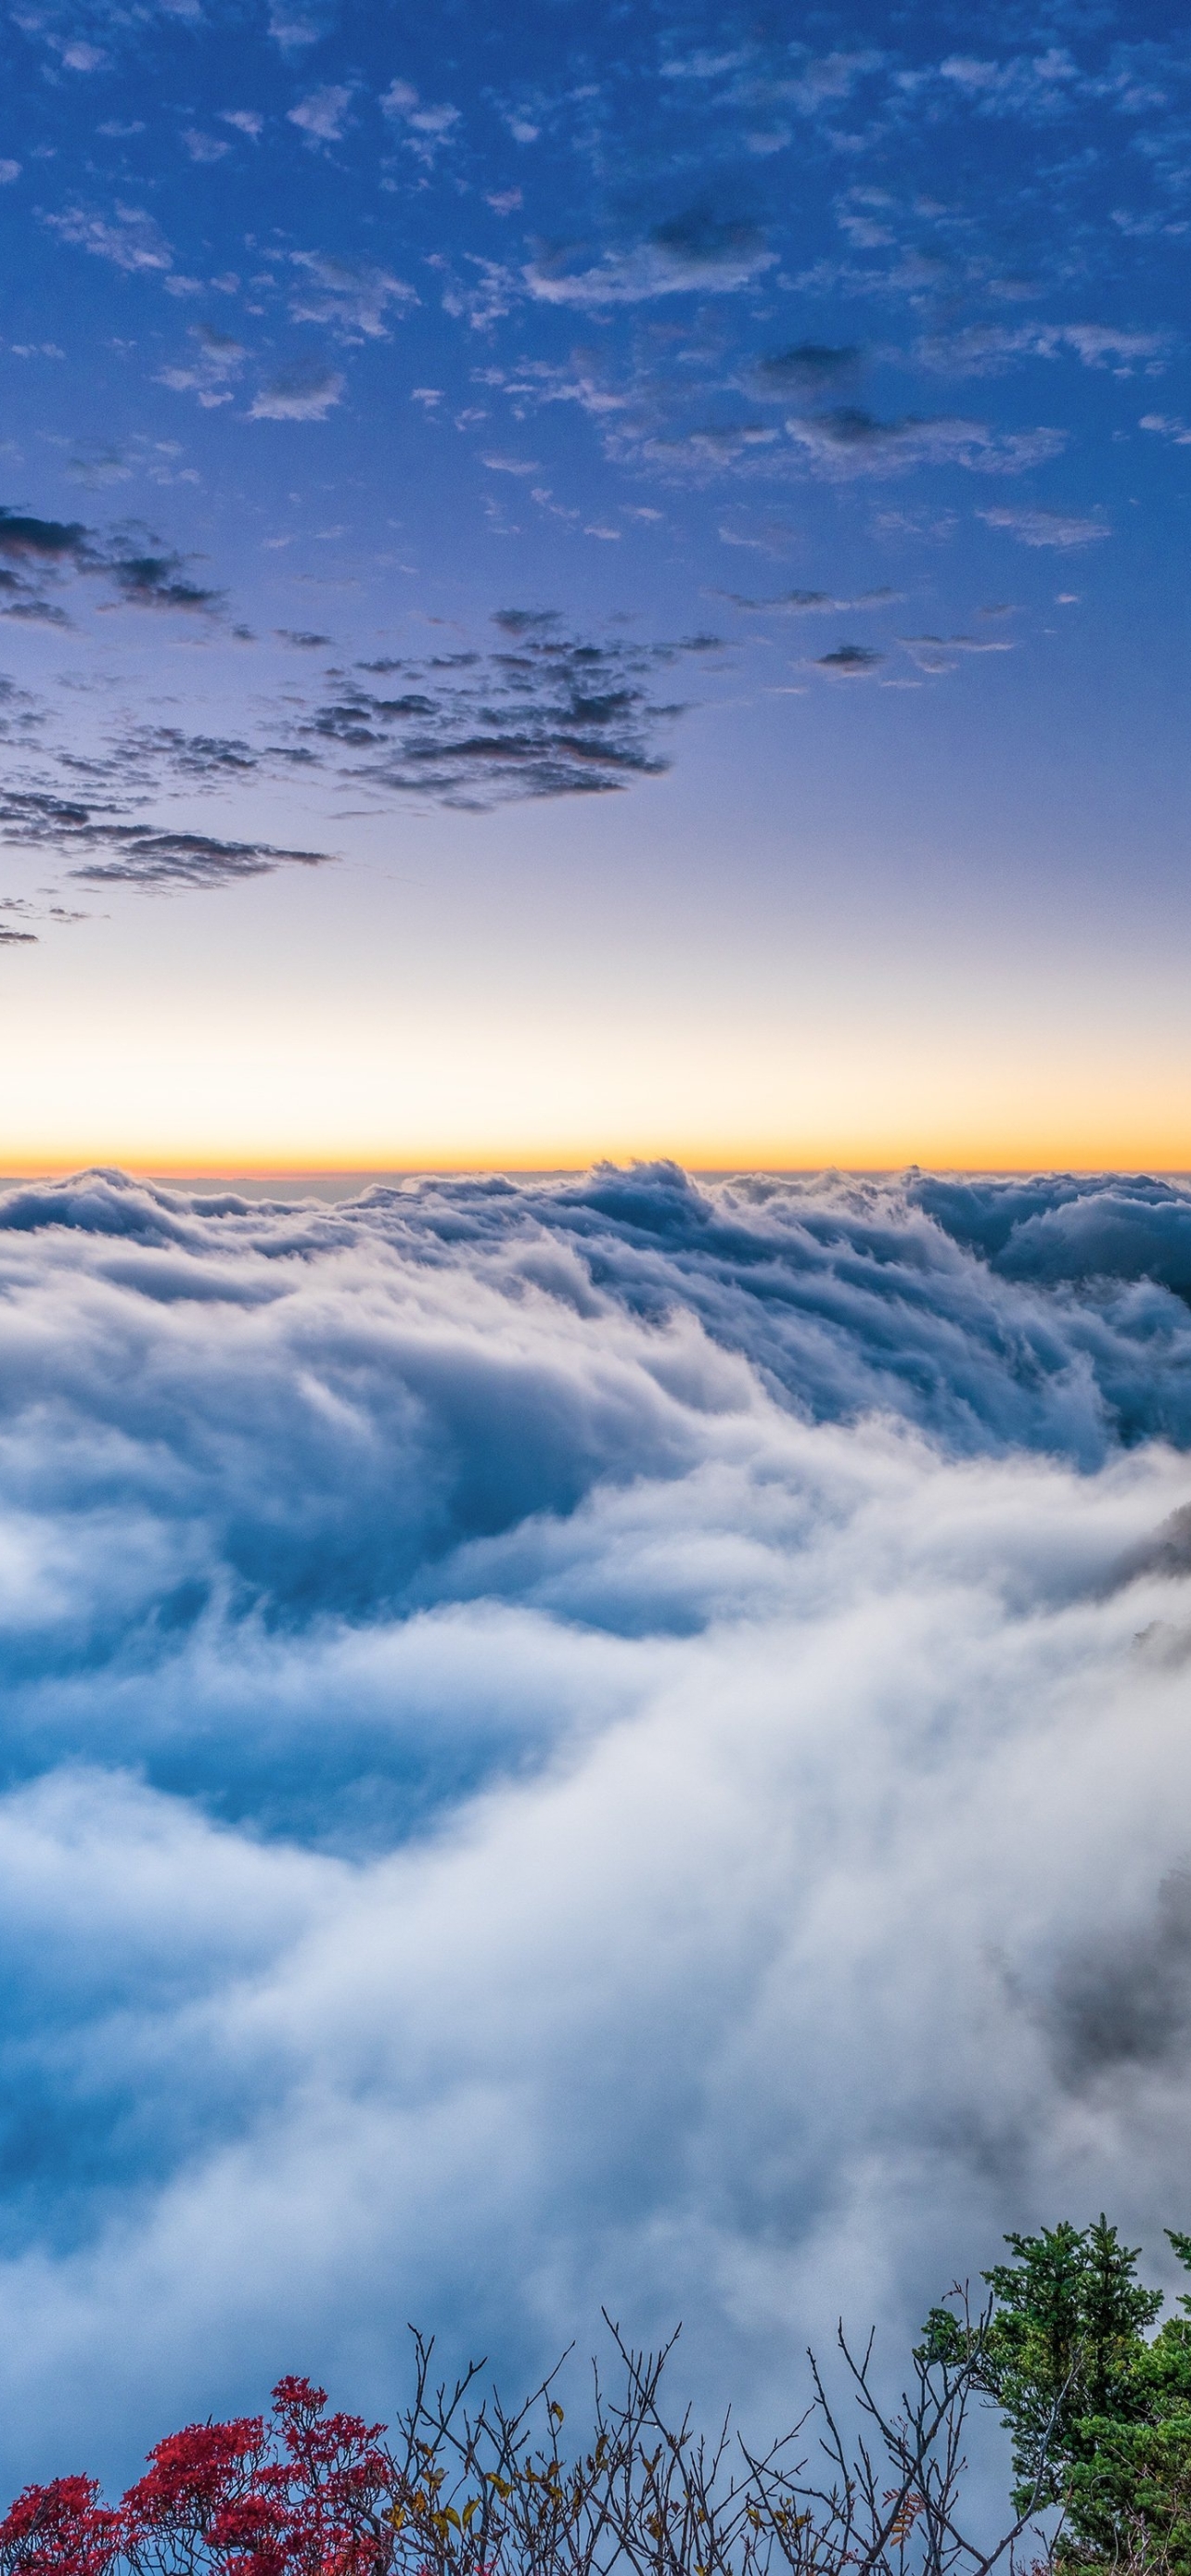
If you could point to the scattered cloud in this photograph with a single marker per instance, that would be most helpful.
(936, 654)
(211, 372)
(323, 116)
(130, 239)
(693, 254)
(109, 851)
(849, 662)
(204, 148)
(847, 442)
(548, 714)
(1167, 425)
(809, 603)
(351, 300)
(427, 128)
(989, 348)
(809, 367)
(298, 395)
(1061, 530)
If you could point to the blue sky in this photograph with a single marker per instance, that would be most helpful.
(622, 570)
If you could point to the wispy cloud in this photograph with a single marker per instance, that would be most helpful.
(1061, 530)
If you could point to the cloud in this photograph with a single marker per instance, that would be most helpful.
(174, 860)
(1042, 85)
(205, 148)
(298, 395)
(212, 371)
(1052, 528)
(597, 1740)
(809, 367)
(808, 603)
(548, 714)
(1167, 426)
(323, 116)
(939, 653)
(847, 441)
(988, 348)
(131, 239)
(142, 575)
(426, 128)
(160, 581)
(849, 662)
(353, 300)
(693, 254)
(116, 852)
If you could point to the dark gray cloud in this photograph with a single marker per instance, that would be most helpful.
(849, 661)
(549, 714)
(142, 574)
(112, 851)
(848, 441)
(694, 252)
(809, 367)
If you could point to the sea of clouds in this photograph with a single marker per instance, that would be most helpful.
(616, 1741)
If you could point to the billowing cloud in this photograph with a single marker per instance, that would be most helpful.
(588, 1741)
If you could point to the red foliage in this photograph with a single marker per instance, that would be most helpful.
(302, 2495)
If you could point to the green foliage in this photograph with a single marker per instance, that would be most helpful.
(1098, 2408)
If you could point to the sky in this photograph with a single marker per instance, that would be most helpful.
(596, 580)
(601, 1742)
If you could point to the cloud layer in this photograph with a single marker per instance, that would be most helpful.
(598, 1741)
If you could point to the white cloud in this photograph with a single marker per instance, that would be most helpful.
(322, 117)
(129, 239)
(426, 128)
(354, 300)
(1055, 528)
(587, 1743)
(216, 363)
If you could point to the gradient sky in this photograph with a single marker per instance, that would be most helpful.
(594, 579)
